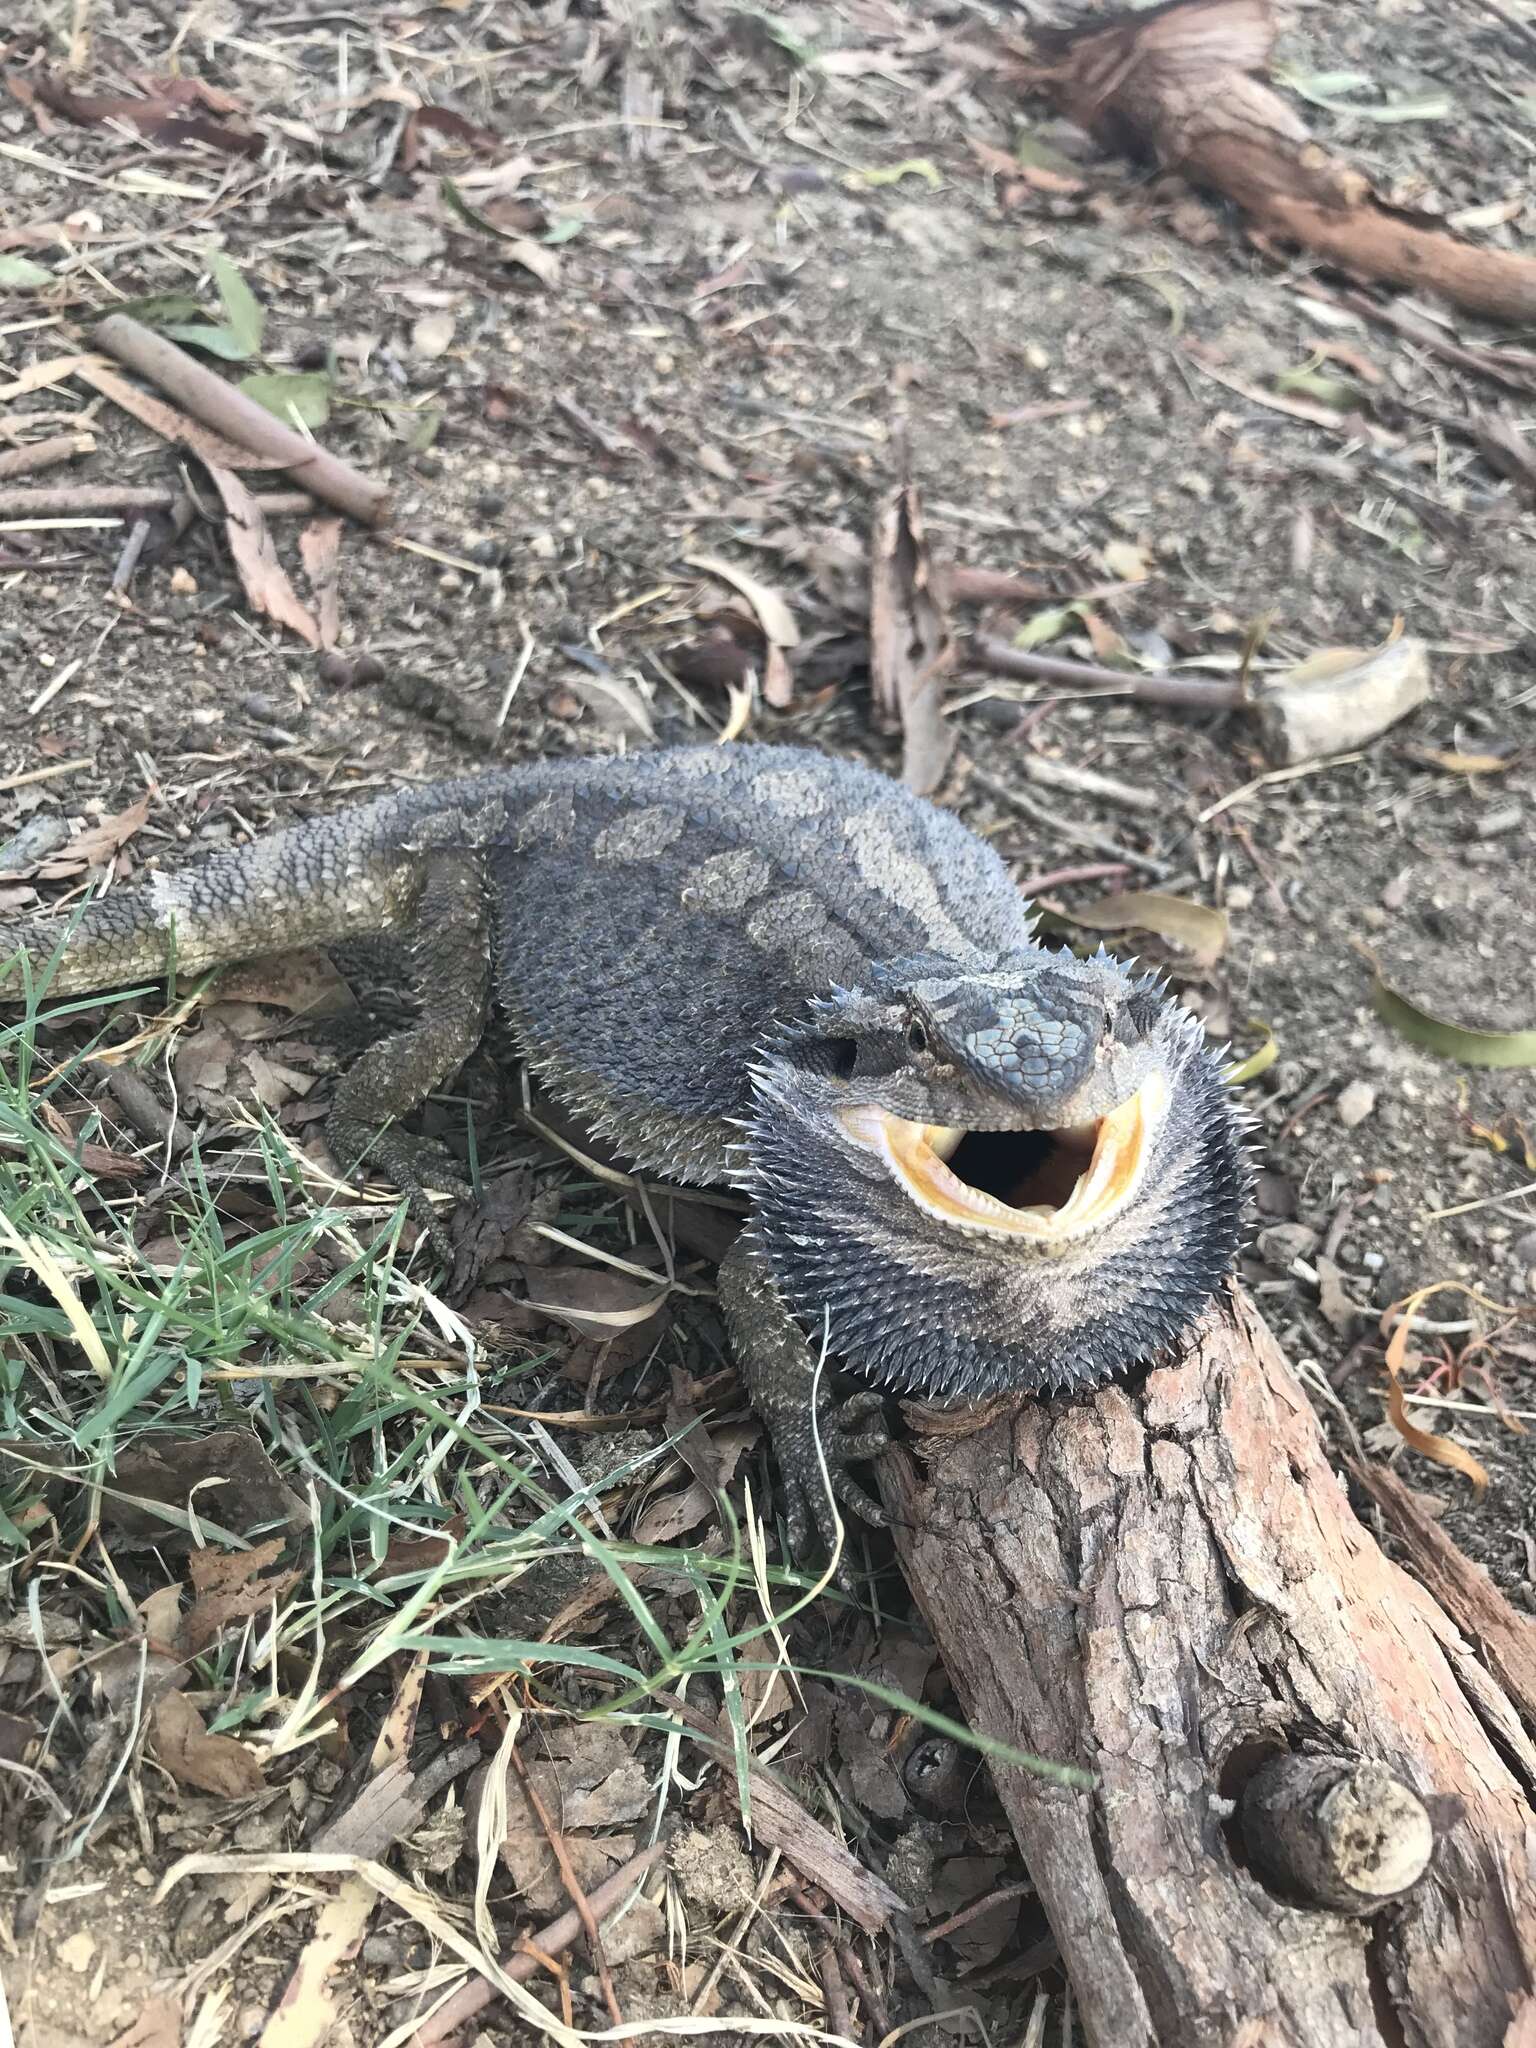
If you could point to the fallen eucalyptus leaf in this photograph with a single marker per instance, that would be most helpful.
(1197, 929)
(1461, 1042)
(20, 273)
(289, 393)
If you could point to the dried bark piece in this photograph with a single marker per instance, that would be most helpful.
(262, 575)
(910, 646)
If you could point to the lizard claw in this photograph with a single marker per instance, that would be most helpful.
(414, 1164)
(850, 1432)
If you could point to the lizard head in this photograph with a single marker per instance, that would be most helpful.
(1028, 1174)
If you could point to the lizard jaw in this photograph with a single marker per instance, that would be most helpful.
(1116, 1147)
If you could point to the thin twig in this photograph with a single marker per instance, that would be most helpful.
(853, 1969)
(1063, 828)
(64, 501)
(550, 1941)
(1058, 878)
(1191, 693)
(569, 1879)
(1108, 789)
(44, 454)
(128, 560)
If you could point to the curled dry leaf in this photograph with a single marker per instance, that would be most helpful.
(772, 614)
(262, 575)
(1440, 1450)
(1257, 1062)
(1341, 698)
(1198, 931)
(592, 1299)
(910, 645)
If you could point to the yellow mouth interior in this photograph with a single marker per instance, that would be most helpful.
(1095, 1167)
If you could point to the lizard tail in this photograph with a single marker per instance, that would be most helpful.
(309, 885)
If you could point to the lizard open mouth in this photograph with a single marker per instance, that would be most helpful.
(1044, 1185)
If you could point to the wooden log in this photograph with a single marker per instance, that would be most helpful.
(1178, 82)
(1165, 1584)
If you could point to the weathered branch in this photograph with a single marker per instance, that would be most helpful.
(68, 501)
(229, 412)
(1165, 1584)
(1177, 83)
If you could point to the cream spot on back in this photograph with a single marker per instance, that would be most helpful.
(791, 792)
(796, 928)
(551, 817)
(892, 871)
(639, 835)
(727, 882)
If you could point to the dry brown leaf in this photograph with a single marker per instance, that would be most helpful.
(166, 421)
(159, 119)
(587, 1779)
(262, 575)
(592, 1299)
(422, 121)
(225, 1478)
(212, 1763)
(910, 646)
(228, 1586)
(319, 551)
(308, 984)
(664, 1520)
(96, 844)
(1199, 931)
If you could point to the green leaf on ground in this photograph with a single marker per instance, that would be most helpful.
(1452, 1041)
(22, 274)
(292, 393)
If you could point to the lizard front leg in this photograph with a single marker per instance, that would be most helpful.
(780, 1364)
(450, 971)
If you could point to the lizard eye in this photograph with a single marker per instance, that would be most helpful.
(917, 1037)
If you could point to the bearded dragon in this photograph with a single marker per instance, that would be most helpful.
(971, 1163)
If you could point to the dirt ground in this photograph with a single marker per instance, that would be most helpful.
(722, 241)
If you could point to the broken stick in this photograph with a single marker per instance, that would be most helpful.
(229, 412)
(130, 501)
(1179, 83)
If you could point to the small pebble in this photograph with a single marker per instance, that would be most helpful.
(1355, 1103)
(1283, 1243)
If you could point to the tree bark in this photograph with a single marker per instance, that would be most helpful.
(1165, 1584)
